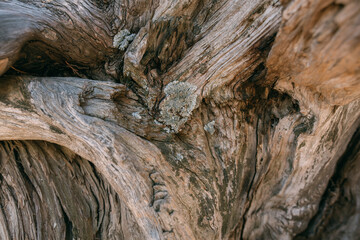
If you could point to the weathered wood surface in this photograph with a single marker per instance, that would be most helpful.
(179, 120)
(49, 192)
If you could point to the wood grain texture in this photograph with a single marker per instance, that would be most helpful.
(179, 119)
(48, 192)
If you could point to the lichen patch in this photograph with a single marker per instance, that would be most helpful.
(179, 102)
(210, 127)
(122, 39)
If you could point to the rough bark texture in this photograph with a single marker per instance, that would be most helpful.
(179, 119)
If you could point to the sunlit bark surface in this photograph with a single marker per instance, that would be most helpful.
(179, 119)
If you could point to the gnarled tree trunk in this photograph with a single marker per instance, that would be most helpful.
(179, 119)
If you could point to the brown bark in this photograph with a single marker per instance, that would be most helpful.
(179, 119)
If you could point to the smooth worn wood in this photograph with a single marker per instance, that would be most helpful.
(179, 119)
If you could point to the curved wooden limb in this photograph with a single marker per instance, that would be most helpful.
(78, 114)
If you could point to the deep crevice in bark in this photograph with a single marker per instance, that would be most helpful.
(77, 176)
(339, 204)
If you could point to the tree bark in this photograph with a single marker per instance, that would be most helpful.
(179, 120)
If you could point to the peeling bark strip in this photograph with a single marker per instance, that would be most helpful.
(179, 119)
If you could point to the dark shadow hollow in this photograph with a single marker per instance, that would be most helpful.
(48, 192)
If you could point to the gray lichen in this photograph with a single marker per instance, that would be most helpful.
(136, 115)
(179, 102)
(157, 122)
(122, 39)
(179, 157)
(210, 127)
